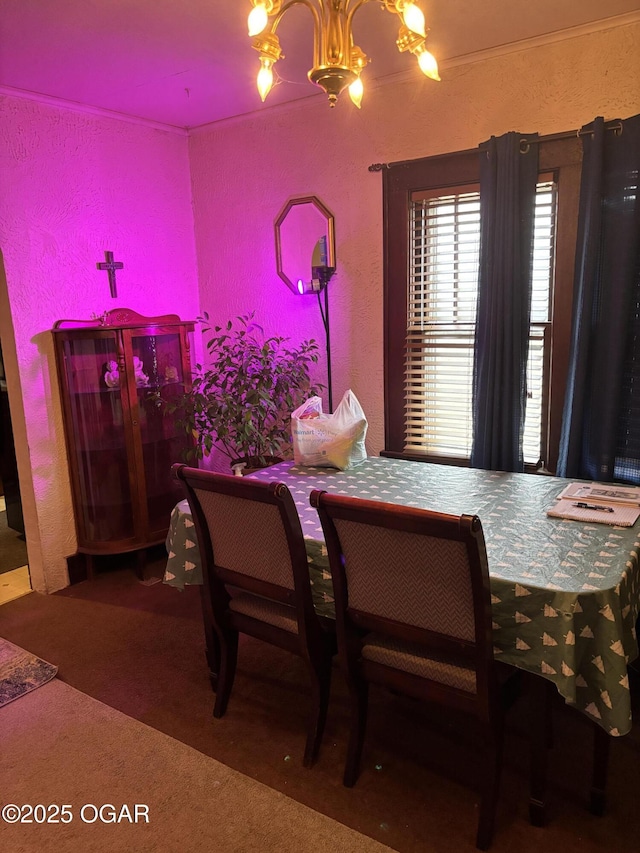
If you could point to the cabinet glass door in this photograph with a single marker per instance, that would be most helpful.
(101, 468)
(158, 367)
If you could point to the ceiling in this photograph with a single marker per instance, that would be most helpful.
(187, 63)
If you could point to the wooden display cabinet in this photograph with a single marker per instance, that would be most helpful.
(120, 443)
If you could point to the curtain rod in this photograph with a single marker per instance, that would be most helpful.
(615, 125)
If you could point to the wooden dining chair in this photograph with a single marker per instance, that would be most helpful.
(413, 613)
(256, 581)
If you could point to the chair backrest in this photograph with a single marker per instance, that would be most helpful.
(412, 575)
(250, 539)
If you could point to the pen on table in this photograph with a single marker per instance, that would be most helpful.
(583, 505)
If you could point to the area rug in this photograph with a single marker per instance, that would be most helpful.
(13, 549)
(21, 672)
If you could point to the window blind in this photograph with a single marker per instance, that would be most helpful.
(441, 314)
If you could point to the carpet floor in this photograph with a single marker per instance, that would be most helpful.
(13, 549)
(60, 746)
(140, 650)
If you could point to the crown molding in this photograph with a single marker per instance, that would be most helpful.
(548, 38)
(75, 107)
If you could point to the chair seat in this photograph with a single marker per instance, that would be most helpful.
(271, 612)
(411, 658)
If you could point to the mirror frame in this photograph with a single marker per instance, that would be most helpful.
(330, 233)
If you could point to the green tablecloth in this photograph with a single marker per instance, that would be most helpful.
(565, 594)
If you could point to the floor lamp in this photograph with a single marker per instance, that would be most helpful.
(322, 275)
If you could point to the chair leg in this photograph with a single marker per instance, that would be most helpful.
(540, 737)
(359, 703)
(320, 688)
(492, 765)
(212, 648)
(228, 659)
(601, 743)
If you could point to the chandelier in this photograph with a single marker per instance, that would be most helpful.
(337, 61)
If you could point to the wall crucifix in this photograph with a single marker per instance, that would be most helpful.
(111, 266)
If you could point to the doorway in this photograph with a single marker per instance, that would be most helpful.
(14, 569)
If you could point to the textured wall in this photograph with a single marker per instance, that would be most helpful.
(74, 185)
(244, 170)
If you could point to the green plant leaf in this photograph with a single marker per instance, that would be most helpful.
(241, 400)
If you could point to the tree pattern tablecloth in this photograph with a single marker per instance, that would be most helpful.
(565, 594)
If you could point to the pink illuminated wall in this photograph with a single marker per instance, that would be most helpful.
(72, 185)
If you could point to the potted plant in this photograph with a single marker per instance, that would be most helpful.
(242, 401)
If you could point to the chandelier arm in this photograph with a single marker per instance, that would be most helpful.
(349, 37)
(351, 12)
(317, 29)
(311, 6)
(390, 6)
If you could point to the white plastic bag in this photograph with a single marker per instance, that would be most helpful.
(329, 441)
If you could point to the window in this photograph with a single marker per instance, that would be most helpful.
(429, 350)
(441, 313)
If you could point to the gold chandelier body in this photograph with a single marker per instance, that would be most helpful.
(337, 61)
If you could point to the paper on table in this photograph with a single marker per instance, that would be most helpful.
(602, 493)
(622, 515)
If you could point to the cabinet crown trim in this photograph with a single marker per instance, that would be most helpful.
(117, 317)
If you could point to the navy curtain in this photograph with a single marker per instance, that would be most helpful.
(508, 177)
(601, 421)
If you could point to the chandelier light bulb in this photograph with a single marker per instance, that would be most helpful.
(413, 18)
(258, 20)
(356, 91)
(428, 64)
(265, 77)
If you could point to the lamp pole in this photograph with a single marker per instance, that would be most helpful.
(327, 331)
(323, 275)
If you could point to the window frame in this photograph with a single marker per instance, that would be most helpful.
(560, 157)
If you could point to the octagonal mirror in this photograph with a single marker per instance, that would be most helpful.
(305, 239)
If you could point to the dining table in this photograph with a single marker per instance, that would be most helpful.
(565, 594)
